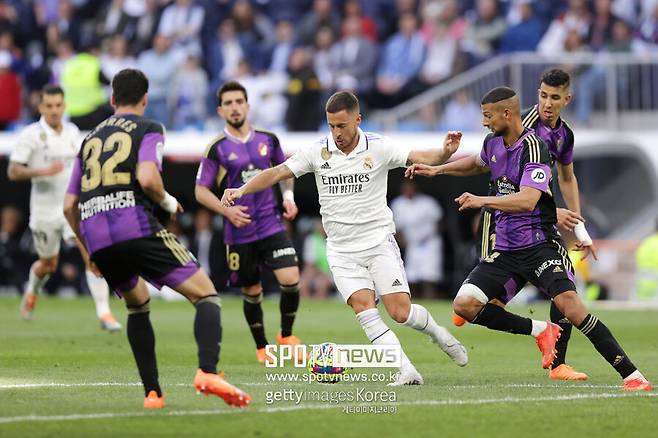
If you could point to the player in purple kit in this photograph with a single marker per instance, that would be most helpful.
(553, 95)
(528, 247)
(114, 187)
(253, 231)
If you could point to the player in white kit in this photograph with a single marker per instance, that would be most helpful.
(44, 154)
(351, 172)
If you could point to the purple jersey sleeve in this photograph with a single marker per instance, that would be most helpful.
(537, 176)
(483, 157)
(566, 156)
(278, 156)
(151, 149)
(208, 168)
(75, 180)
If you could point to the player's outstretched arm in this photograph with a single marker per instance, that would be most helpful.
(437, 156)
(20, 172)
(466, 166)
(262, 181)
(236, 214)
(520, 202)
(150, 180)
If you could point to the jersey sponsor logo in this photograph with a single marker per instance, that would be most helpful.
(505, 187)
(367, 163)
(557, 270)
(548, 264)
(345, 184)
(493, 158)
(396, 283)
(538, 175)
(325, 166)
(283, 252)
(113, 201)
(325, 154)
(249, 173)
(262, 149)
(232, 156)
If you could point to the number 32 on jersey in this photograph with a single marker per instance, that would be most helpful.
(97, 173)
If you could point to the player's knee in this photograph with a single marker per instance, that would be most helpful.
(359, 305)
(49, 265)
(469, 301)
(399, 314)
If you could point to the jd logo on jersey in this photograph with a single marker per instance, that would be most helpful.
(538, 175)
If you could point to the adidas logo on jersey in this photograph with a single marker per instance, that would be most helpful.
(557, 269)
(325, 166)
(232, 156)
(396, 283)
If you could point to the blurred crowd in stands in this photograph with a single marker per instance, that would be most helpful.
(290, 54)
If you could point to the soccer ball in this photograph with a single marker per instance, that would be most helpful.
(320, 363)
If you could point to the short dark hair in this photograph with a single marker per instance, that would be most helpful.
(498, 94)
(129, 86)
(50, 90)
(342, 100)
(231, 86)
(556, 78)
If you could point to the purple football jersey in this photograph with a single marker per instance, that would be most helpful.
(239, 161)
(525, 163)
(113, 206)
(560, 141)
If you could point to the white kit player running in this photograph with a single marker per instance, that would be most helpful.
(44, 153)
(351, 172)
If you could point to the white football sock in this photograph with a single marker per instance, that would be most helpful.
(379, 334)
(34, 283)
(421, 320)
(100, 292)
(538, 327)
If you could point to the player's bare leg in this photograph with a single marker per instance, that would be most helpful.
(363, 304)
(39, 274)
(100, 292)
(399, 307)
(252, 297)
(472, 304)
(288, 279)
(570, 304)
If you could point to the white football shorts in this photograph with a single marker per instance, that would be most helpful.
(379, 268)
(47, 236)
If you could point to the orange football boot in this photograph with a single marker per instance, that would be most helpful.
(209, 383)
(152, 401)
(546, 342)
(565, 372)
(639, 384)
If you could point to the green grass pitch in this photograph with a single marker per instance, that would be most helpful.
(61, 376)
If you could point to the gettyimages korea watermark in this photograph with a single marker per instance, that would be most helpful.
(340, 355)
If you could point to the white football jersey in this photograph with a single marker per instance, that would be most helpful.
(352, 188)
(38, 146)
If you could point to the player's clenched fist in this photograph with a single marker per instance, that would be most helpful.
(468, 200)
